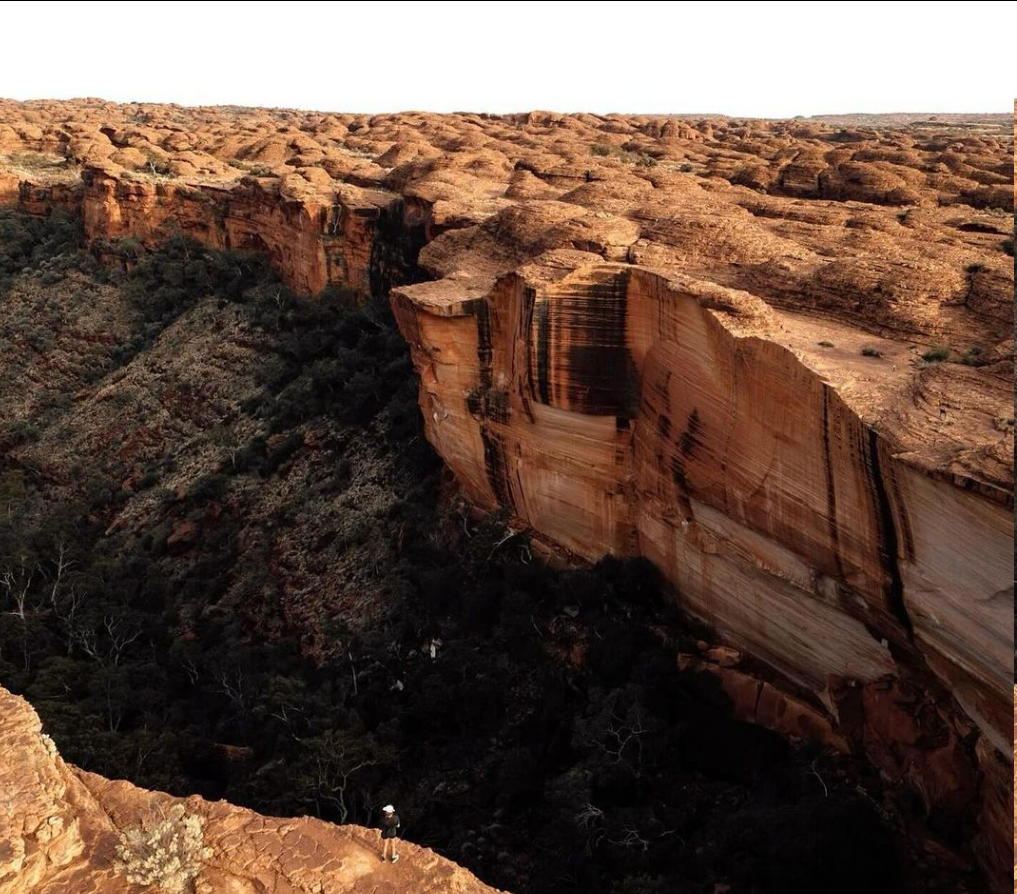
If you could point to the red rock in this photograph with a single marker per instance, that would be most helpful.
(723, 656)
(184, 533)
(755, 700)
(59, 826)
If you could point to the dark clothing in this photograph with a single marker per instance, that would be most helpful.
(389, 825)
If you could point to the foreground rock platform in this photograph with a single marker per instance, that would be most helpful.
(59, 826)
(774, 358)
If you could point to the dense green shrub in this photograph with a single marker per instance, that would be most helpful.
(167, 281)
(49, 244)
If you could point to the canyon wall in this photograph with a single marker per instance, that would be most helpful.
(311, 241)
(699, 342)
(620, 411)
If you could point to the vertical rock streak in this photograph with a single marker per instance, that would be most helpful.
(888, 548)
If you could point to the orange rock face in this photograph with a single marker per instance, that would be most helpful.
(696, 341)
(623, 411)
(59, 827)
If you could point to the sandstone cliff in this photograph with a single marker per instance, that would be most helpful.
(774, 358)
(623, 411)
(59, 828)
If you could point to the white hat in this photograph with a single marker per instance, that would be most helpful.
(388, 808)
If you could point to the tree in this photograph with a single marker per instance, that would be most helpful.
(330, 762)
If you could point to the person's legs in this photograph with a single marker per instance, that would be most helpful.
(395, 856)
(385, 842)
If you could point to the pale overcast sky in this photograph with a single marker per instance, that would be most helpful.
(746, 59)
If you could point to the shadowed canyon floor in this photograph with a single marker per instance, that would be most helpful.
(775, 359)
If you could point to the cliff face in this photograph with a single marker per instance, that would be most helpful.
(312, 242)
(700, 342)
(59, 827)
(621, 411)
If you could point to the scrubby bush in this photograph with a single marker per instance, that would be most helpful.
(169, 280)
(639, 159)
(936, 354)
(212, 486)
(870, 351)
(35, 161)
(49, 244)
(156, 164)
(974, 356)
(166, 850)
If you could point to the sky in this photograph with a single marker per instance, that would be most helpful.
(744, 59)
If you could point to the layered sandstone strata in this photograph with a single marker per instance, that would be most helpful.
(622, 411)
(59, 827)
(619, 410)
(696, 341)
(312, 240)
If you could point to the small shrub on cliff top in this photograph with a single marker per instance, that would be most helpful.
(870, 351)
(156, 165)
(35, 161)
(639, 159)
(936, 354)
(167, 850)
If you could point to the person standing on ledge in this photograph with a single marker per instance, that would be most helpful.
(389, 833)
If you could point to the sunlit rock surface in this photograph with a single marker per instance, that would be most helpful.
(59, 827)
